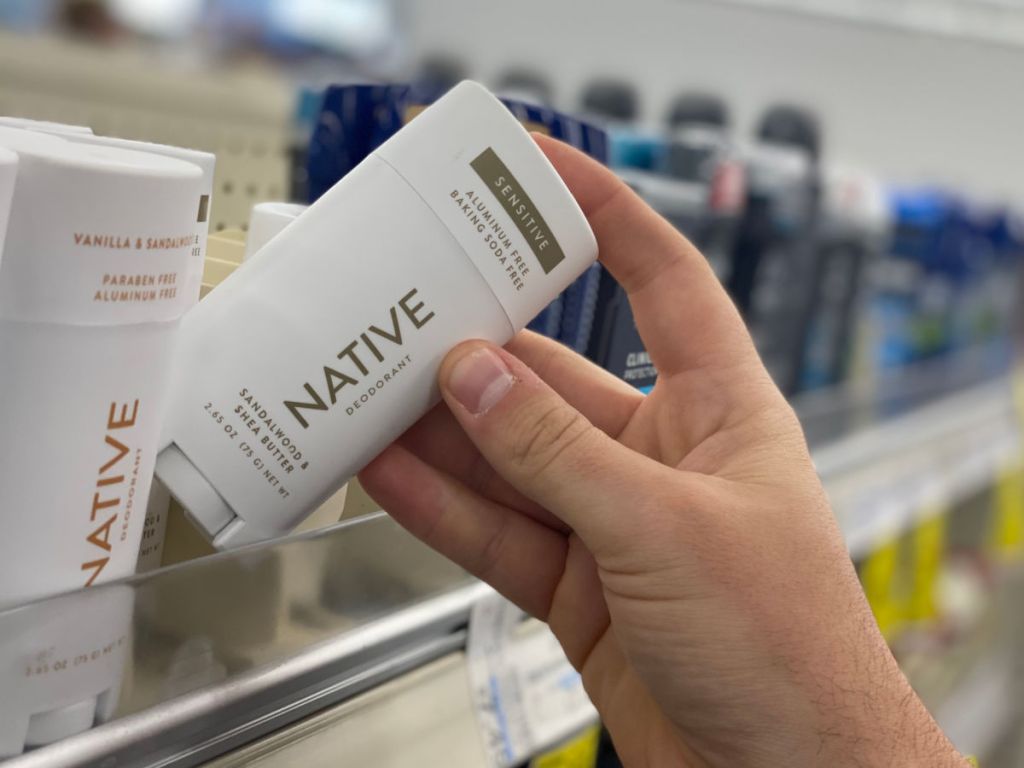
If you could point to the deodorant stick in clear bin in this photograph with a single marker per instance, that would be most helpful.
(325, 346)
(97, 247)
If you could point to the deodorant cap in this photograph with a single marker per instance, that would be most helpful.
(791, 126)
(206, 161)
(612, 99)
(466, 144)
(469, 128)
(72, 171)
(266, 221)
(698, 109)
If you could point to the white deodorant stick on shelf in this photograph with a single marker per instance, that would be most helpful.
(91, 277)
(43, 125)
(266, 221)
(8, 175)
(91, 295)
(156, 510)
(324, 347)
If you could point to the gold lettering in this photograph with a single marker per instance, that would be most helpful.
(349, 352)
(124, 421)
(97, 567)
(329, 374)
(336, 380)
(317, 405)
(121, 448)
(101, 536)
(411, 311)
(97, 505)
(372, 346)
(396, 337)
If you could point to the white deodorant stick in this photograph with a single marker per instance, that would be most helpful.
(325, 346)
(91, 294)
(91, 276)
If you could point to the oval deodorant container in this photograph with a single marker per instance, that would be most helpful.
(324, 347)
(96, 250)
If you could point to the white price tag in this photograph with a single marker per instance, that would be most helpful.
(555, 704)
(526, 694)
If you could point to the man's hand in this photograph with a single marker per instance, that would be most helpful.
(679, 545)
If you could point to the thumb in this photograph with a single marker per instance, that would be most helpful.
(541, 445)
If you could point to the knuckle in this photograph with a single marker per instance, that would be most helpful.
(545, 435)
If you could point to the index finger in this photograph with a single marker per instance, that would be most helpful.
(682, 312)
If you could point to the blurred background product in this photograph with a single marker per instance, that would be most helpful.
(524, 85)
(866, 222)
(776, 271)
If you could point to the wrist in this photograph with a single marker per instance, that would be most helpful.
(889, 726)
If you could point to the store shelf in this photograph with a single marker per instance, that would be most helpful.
(302, 640)
(229, 648)
(973, 681)
(883, 479)
(274, 646)
(427, 713)
(241, 113)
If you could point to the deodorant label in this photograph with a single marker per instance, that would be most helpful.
(495, 192)
(80, 475)
(110, 263)
(525, 215)
(499, 226)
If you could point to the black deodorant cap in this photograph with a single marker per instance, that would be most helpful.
(527, 82)
(614, 99)
(698, 109)
(792, 126)
(439, 73)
